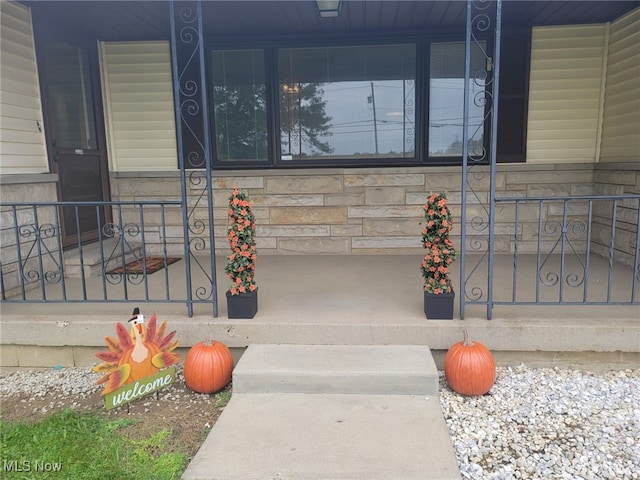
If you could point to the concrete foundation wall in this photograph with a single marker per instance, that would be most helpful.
(16, 357)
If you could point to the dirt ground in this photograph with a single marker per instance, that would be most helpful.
(188, 415)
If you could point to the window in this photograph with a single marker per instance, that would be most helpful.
(446, 100)
(71, 95)
(240, 105)
(350, 102)
(393, 103)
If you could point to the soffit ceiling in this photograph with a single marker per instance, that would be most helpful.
(149, 20)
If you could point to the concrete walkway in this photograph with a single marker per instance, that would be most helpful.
(330, 412)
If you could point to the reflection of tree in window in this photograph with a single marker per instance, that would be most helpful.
(240, 106)
(347, 101)
(303, 120)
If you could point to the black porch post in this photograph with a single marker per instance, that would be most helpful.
(479, 164)
(192, 134)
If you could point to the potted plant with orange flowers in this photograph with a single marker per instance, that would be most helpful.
(439, 255)
(242, 296)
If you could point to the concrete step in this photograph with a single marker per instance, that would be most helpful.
(94, 254)
(319, 437)
(337, 369)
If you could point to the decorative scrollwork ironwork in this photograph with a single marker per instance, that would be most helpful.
(564, 244)
(190, 98)
(37, 239)
(477, 177)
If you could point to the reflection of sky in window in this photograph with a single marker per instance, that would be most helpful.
(446, 110)
(350, 106)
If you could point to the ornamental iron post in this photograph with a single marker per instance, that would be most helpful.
(192, 134)
(478, 164)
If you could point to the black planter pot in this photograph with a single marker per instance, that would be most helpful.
(242, 305)
(439, 307)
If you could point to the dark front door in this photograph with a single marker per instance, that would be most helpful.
(75, 134)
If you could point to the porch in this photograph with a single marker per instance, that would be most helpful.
(338, 299)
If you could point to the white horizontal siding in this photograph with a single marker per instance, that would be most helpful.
(139, 106)
(564, 93)
(621, 122)
(22, 144)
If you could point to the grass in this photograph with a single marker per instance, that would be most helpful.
(223, 398)
(75, 445)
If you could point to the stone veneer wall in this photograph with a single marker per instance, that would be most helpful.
(26, 188)
(616, 179)
(358, 211)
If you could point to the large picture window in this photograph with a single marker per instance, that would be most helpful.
(393, 101)
(240, 105)
(350, 102)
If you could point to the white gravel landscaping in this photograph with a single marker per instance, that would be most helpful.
(542, 423)
(535, 423)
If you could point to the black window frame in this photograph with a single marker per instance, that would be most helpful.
(270, 47)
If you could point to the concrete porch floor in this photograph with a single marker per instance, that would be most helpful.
(346, 300)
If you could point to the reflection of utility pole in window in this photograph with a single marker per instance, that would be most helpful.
(293, 89)
(372, 101)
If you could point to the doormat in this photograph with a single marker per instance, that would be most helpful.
(153, 264)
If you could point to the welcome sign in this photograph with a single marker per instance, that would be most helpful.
(137, 362)
(132, 391)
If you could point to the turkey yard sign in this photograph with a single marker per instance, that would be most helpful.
(130, 392)
(136, 362)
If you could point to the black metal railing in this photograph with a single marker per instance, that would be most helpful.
(128, 260)
(577, 250)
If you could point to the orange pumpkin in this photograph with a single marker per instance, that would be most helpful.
(469, 367)
(208, 366)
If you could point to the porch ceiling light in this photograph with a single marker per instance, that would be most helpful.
(329, 8)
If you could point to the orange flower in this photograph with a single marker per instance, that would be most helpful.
(252, 287)
(242, 289)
